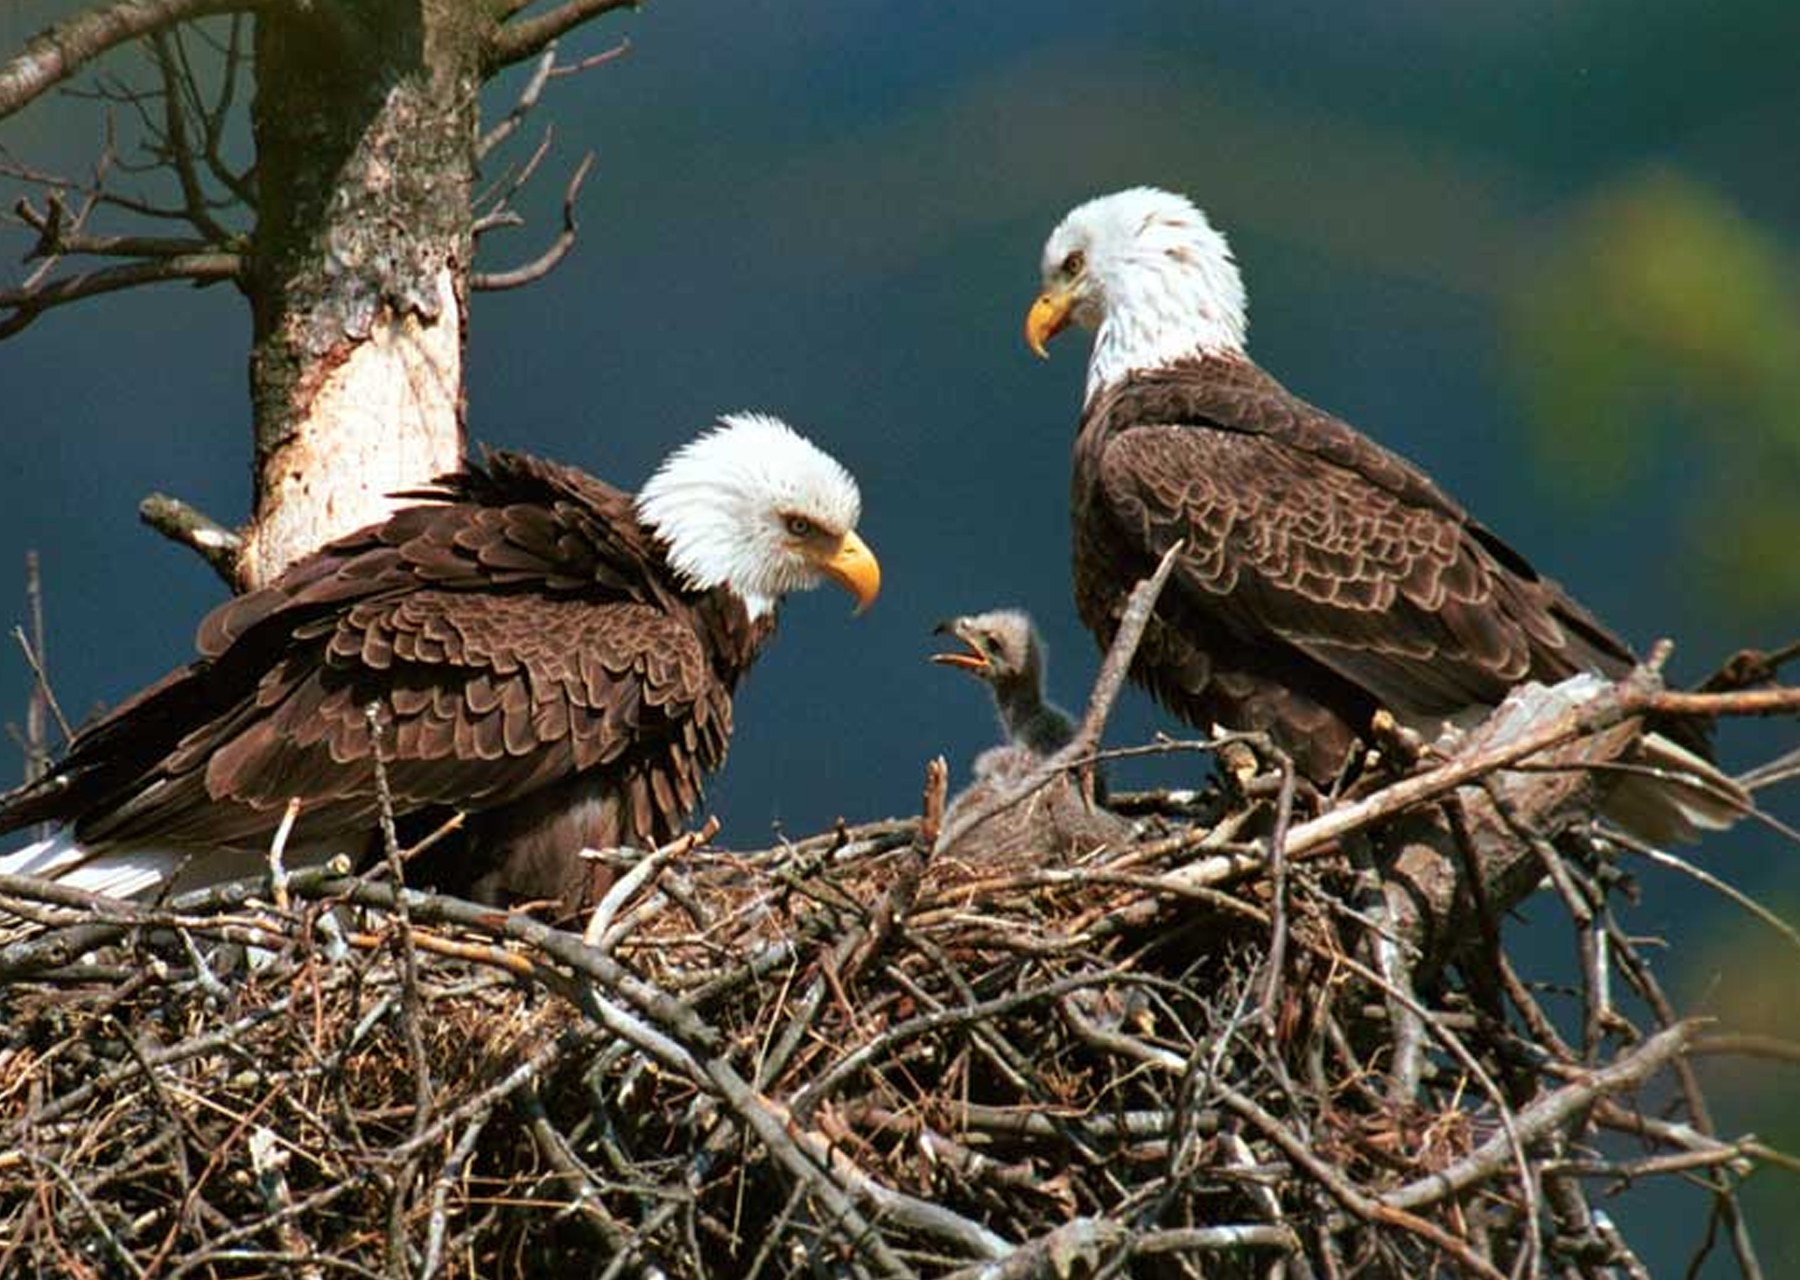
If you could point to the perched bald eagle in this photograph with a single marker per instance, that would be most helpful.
(543, 653)
(1323, 577)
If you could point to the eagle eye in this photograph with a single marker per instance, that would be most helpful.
(1072, 265)
(800, 526)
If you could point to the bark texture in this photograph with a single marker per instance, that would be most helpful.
(365, 132)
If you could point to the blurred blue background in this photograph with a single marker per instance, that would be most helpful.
(1546, 249)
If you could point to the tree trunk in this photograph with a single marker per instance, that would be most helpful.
(365, 133)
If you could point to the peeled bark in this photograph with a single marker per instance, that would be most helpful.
(365, 135)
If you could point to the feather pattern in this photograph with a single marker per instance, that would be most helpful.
(1322, 577)
(529, 655)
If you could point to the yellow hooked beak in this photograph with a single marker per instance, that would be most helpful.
(854, 568)
(1048, 316)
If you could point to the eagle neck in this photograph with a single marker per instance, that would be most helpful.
(1156, 319)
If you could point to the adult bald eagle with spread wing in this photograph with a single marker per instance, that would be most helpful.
(542, 652)
(1323, 577)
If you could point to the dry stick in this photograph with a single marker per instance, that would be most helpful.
(523, 105)
(803, 1155)
(1548, 1115)
(646, 867)
(1276, 961)
(1080, 748)
(43, 682)
(1452, 1042)
(1346, 1193)
(566, 1165)
(1395, 965)
(194, 529)
(519, 39)
(1750, 1045)
(411, 1010)
(1725, 1204)
(817, 1090)
(558, 249)
(278, 876)
(37, 745)
(1637, 694)
(58, 52)
(438, 1223)
(1664, 858)
(26, 304)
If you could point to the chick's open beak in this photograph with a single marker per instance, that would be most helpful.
(854, 568)
(974, 660)
(1048, 316)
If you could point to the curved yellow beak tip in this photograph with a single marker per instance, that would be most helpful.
(854, 568)
(1048, 316)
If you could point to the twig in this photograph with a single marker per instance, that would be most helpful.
(43, 683)
(558, 249)
(58, 53)
(176, 520)
(1276, 963)
(1663, 857)
(521, 39)
(1548, 1115)
(26, 304)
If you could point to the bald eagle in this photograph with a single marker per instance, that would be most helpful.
(537, 650)
(1323, 577)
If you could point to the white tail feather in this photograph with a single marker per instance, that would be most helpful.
(1686, 796)
(119, 874)
(1683, 797)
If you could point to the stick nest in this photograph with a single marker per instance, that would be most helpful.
(849, 1054)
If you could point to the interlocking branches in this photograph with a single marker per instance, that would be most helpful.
(54, 55)
(182, 121)
(872, 1052)
(494, 207)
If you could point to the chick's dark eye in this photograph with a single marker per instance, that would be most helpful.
(799, 526)
(1072, 265)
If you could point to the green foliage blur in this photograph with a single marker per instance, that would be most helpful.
(1661, 329)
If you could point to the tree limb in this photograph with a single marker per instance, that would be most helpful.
(527, 37)
(198, 268)
(59, 52)
(192, 528)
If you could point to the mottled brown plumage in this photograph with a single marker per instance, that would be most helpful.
(1322, 577)
(531, 659)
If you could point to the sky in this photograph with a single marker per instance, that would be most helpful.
(832, 210)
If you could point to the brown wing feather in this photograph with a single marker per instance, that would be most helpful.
(529, 658)
(1323, 576)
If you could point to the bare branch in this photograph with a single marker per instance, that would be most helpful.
(545, 262)
(26, 304)
(1547, 1115)
(56, 54)
(192, 528)
(527, 37)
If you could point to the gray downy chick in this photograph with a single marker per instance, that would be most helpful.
(1003, 650)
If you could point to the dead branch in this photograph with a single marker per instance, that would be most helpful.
(59, 52)
(197, 531)
(27, 303)
(558, 249)
(523, 38)
(853, 1051)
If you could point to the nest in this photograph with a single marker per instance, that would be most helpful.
(1244, 1041)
